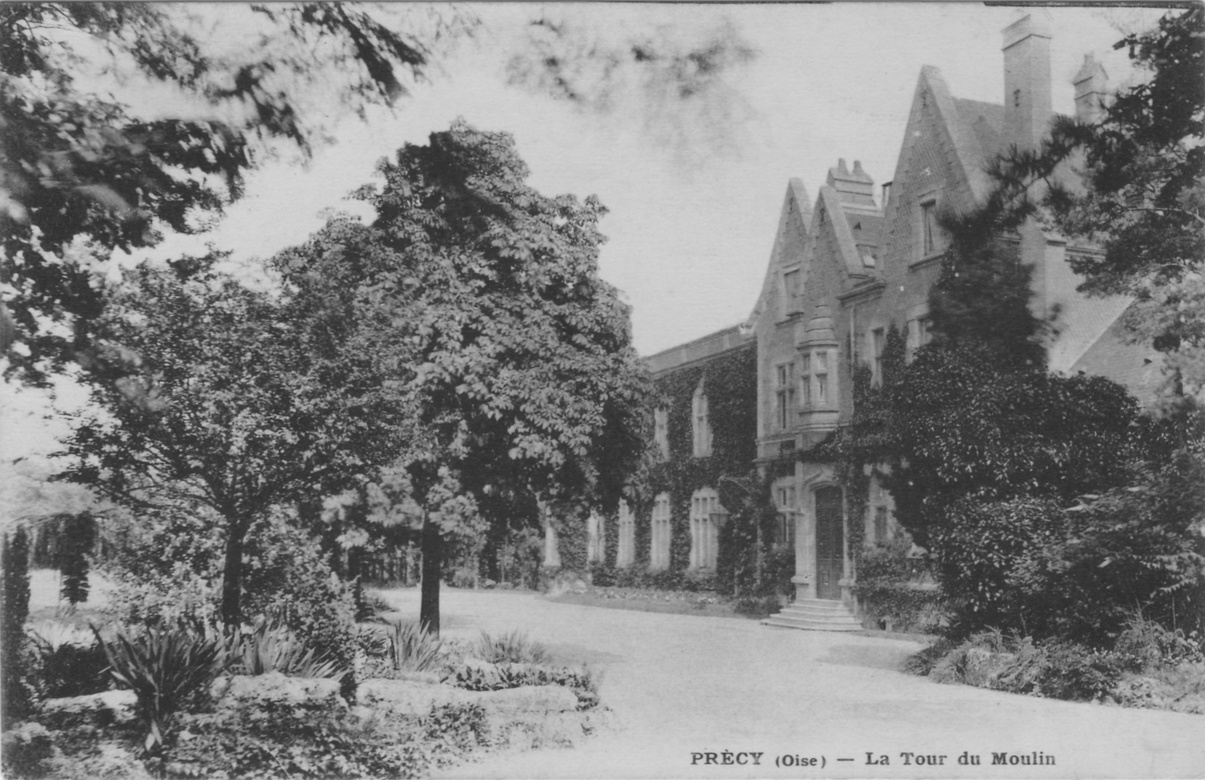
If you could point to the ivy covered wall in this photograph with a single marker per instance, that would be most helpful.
(730, 384)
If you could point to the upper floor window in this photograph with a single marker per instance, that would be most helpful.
(660, 533)
(790, 291)
(817, 380)
(661, 432)
(930, 231)
(704, 534)
(701, 424)
(785, 395)
(821, 389)
(625, 555)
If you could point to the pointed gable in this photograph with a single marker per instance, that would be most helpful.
(852, 221)
(790, 245)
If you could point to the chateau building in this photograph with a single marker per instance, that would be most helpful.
(844, 269)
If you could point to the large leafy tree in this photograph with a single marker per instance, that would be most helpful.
(84, 173)
(236, 403)
(515, 356)
(1138, 189)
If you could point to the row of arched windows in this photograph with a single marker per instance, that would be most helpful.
(704, 531)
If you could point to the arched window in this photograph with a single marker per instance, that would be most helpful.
(596, 538)
(661, 432)
(704, 535)
(626, 554)
(661, 532)
(701, 423)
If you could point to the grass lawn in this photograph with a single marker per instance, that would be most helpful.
(671, 602)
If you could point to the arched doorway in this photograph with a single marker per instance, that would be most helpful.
(830, 543)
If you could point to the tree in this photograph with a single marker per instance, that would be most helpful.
(78, 537)
(84, 173)
(1138, 188)
(514, 355)
(14, 610)
(237, 405)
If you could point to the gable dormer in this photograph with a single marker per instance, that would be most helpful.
(847, 225)
(784, 278)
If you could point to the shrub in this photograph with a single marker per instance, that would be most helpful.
(27, 751)
(497, 677)
(602, 574)
(287, 580)
(79, 536)
(69, 662)
(412, 649)
(1145, 644)
(289, 742)
(756, 606)
(1051, 668)
(511, 648)
(463, 577)
(1125, 548)
(1066, 670)
(269, 647)
(1178, 688)
(152, 598)
(777, 570)
(895, 586)
(980, 545)
(165, 666)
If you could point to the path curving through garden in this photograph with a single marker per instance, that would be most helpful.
(683, 686)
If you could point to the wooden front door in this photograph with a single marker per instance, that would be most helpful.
(830, 526)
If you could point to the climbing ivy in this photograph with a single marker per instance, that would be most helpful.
(863, 448)
(730, 383)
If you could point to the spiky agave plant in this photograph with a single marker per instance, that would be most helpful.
(412, 649)
(164, 665)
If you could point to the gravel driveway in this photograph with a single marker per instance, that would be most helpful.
(682, 687)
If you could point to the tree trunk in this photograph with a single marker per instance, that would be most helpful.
(432, 548)
(232, 575)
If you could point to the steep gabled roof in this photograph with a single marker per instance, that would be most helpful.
(790, 242)
(841, 218)
(1136, 367)
(985, 121)
(960, 125)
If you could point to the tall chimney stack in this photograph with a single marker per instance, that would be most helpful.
(1027, 110)
(1090, 85)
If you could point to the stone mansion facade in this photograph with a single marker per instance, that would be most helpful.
(848, 264)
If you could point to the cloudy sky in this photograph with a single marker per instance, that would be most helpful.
(691, 221)
(694, 193)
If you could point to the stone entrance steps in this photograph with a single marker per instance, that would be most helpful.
(815, 615)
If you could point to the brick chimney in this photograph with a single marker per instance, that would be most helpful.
(855, 187)
(1090, 85)
(1027, 110)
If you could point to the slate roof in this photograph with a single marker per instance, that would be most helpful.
(1136, 367)
(704, 347)
(984, 120)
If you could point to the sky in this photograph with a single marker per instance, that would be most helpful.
(691, 222)
(690, 227)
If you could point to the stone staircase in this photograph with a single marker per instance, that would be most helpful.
(815, 615)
